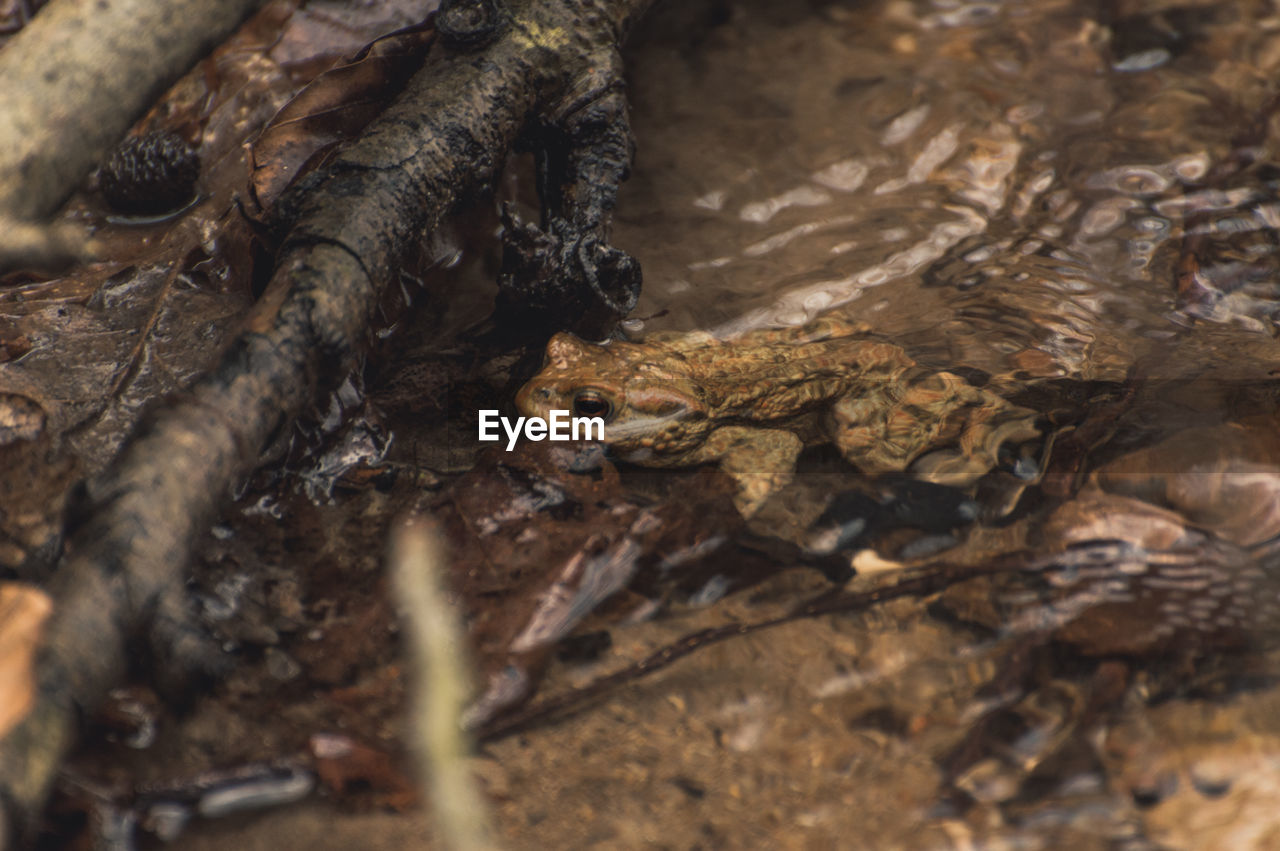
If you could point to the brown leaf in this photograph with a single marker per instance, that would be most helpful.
(347, 767)
(332, 108)
(23, 610)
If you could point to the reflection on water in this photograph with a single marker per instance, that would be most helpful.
(1073, 192)
(979, 174)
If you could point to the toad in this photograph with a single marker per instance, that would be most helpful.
(751, 404)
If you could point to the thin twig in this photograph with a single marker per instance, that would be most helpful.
(928, 581)
(440, 685)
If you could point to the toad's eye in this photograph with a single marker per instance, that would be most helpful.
(592, 403)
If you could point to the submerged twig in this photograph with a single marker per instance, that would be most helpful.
(440, 687)
(919, 584)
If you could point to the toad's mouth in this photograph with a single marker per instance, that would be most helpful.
(642, 426)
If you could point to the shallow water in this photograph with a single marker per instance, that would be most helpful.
(978, 177)
(1058, 194)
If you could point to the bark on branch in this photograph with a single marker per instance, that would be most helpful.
(78, 75)
(449, 131)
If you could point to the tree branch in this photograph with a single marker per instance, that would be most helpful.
(77, 77)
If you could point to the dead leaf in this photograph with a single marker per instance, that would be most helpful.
(348, 768)
(23, 611)
(333, 108)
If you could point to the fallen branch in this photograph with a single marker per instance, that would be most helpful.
(357, 220)
(78, 76)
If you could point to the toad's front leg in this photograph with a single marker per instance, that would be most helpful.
(761, 461)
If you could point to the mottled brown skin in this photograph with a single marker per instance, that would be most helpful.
(753, 402)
